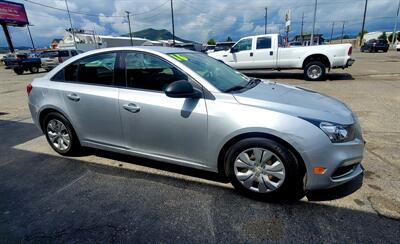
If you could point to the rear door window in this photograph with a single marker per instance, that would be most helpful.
(263, 43)
(96, 69)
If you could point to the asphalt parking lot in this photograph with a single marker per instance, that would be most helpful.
(104, 197)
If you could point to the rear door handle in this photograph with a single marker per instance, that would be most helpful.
(73, 97)
(251, 54)
(131, 107)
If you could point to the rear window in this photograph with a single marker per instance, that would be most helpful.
(382, 41)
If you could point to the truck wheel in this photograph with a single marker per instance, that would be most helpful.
(34, 70)
(315, 71)
(18, 71)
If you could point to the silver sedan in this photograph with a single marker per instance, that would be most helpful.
(272, 141)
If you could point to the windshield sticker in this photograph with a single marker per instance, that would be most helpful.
(179, 57)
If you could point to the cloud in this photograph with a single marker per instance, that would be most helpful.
(201, 19)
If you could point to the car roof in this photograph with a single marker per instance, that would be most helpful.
(159, 49)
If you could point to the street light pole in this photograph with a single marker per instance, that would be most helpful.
(30, 35)
(173, 23)
(394, 36)
(302, 25)
(266, 20)
(129, 23)
(70, 22)
(313, 28)
(363, 23)
(333, 26)
(341, 41)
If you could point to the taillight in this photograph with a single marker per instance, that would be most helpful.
(29, 88)
(350, 51)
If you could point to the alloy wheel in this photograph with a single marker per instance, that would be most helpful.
(58, 135)
(314, 71)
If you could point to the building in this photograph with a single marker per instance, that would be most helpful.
(86, 41)
(306, 39)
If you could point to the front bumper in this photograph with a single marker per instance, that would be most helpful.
(338, 191)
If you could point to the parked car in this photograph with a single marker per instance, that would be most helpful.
(374, 45)
(208, 48)
(222, 46)
(51, 59)
(269, 52)
(398, 47)
(295, 44)
(23, 62)
(271, 141)
(8, 57)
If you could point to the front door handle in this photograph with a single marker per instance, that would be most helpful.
(73, 97)
(131, 107)
(271, 53)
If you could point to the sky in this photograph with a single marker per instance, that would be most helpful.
(199, 20)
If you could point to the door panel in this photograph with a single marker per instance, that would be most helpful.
(242, 58)
(95, 114)
(264, 55)
(173, 127)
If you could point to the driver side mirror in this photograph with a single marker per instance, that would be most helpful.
(233, 50)
(182, 89)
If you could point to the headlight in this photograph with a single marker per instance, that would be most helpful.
(338, 133)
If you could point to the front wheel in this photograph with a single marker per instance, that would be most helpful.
(60, 134)
(314, 71)
(264, 169)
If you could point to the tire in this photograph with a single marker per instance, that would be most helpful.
(319, 74)
(290, 188)
(34, 70)
(18, 71)
(57, 125)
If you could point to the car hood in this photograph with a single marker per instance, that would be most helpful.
(296, 101)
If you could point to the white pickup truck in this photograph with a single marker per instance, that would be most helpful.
(268, 52)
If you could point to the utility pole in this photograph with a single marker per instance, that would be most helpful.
(70, 22)
(266, 20)
(363, 23)
(395, 26)
(129, 23)
(173, 23)
(341, 41)
(30, 35)
(302, 25)
(333, 26)
(313, 28)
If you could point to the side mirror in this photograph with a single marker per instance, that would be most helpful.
(182, 89)
(233, 50)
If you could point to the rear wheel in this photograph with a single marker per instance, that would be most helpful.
(18, 71)
(60, 134)
(264, 169)
(34, 70)
(314, 71)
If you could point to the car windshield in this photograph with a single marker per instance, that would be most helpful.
(49, 54)
(220, 75)
(222, 47)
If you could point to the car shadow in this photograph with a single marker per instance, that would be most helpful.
(47, 199)
(272, 75)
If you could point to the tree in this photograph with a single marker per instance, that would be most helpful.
(229, 39)
(383, 36)
(211, 42)
(390, 37)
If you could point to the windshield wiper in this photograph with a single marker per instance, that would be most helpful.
(253, 82)
(234, 88)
